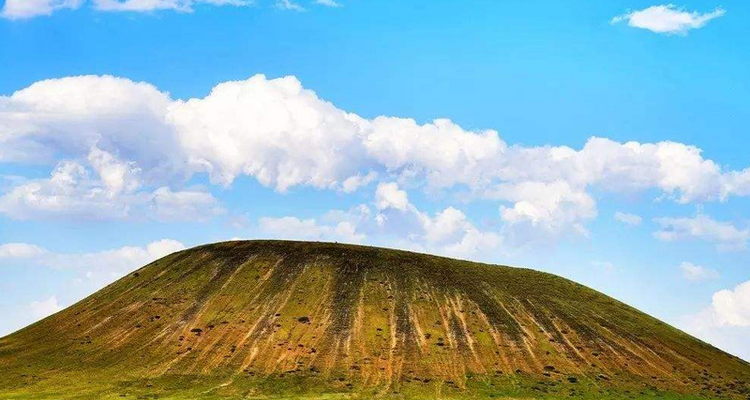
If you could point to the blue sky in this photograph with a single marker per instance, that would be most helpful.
(602, 141)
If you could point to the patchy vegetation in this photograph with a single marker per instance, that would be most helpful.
(295, 320)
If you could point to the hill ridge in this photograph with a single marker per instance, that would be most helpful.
(306, 319)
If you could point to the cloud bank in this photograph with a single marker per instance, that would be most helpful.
(119, 148)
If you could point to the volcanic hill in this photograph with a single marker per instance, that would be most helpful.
(296, 320)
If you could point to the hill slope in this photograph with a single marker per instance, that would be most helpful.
(266, 319)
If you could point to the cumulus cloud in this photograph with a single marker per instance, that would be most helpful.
(694, 272)
(388, 195)
(69, 191)
(679, 170)
(724, 235)
(442, 151)
(725, 322)
(111, 193)
(451, 233)
(123, 141)
(65, 118)
(395, 222)
(273, 130)
(20, 9)
(116, 176)
(628, 219)
(668, 19)
(732, 306)
(445, 226)
(551, 206)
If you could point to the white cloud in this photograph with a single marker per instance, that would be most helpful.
(445, 226)
(20, 9)
(450, 232)
(398, 223)
(65, 118)
(628, 219)
(274, 130)
(116, 176)
(547, 204)
(289, 5)
(726, 322)
(737, 183)
(353, 183)
(291, 227)
(161, 248)
(729, 308)
(20, 250)
(44, 308)
(195, 205)
(95, 269)
(473, 243)
(106, 266)
(72, 192)
(668, 19)
(328, 3)
(388, 195)
(542, 210)
(124, 140)
(694, 272)
(724, 235)
(152, 5)
(444, 152)
(730, 338)
(284, 135)
(732, 307)
(677, 169)
(309, 229)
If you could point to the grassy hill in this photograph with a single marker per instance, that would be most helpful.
(272, 319)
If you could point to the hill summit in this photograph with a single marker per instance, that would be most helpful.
(277, 319)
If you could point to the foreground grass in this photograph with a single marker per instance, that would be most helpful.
(233, 388)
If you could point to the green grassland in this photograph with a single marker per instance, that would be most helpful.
(296, 320)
